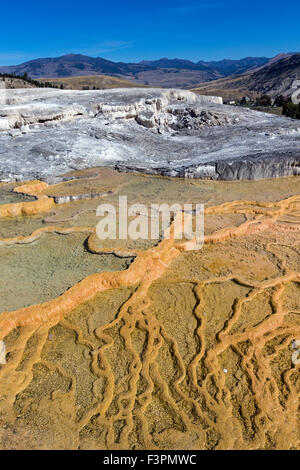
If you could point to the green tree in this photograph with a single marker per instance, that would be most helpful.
(279, 101)
(265, 100)
(291, 110)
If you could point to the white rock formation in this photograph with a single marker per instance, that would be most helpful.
(2, 352)
(46, 132)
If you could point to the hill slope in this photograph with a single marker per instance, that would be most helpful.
(275, 78)
(101, 82)
(10, 83)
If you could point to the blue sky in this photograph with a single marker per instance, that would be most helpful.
(136, 30)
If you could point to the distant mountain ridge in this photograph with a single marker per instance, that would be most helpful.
(162, 72)
(224, 67)
(232, 67)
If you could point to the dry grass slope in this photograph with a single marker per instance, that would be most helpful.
(102, 82)
(230, 88)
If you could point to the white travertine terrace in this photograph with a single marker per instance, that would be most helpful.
(47, 132)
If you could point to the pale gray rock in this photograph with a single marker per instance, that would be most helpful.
(45, 133)
(2, 352)
(77, 197)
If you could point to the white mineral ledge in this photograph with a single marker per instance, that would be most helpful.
(45, 133)
(2, 353)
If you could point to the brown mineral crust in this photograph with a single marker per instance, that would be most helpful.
(33, 188)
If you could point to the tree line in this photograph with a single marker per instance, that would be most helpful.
(29, 80)
(289, 109)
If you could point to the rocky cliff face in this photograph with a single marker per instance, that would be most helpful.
(44, 133)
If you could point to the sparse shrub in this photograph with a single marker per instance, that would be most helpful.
(291, 110)
(279, 101)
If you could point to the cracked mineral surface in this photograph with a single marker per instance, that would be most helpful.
(134, 345)
(46, 132)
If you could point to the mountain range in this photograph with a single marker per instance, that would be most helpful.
(162, 72)
(227, 78)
